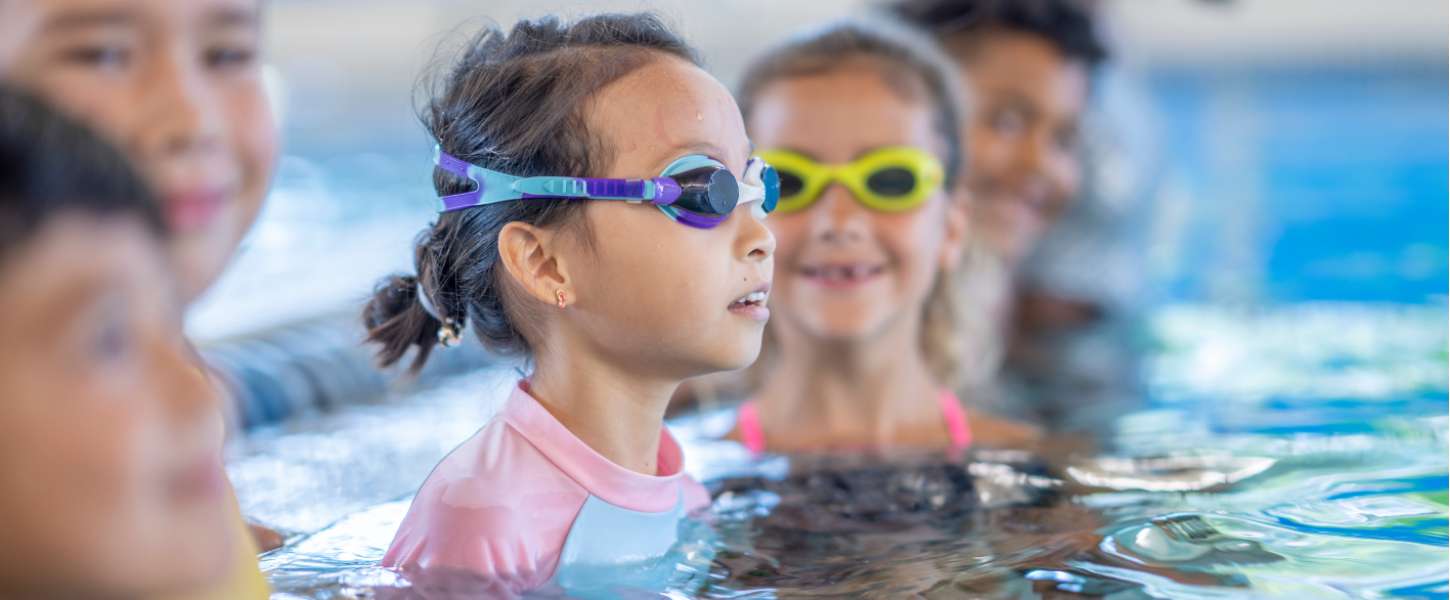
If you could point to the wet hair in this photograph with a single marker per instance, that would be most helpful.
(912, 65)
(51, 165)
(512, 102)
(1066, 24)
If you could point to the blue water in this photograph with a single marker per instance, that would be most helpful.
(1331, 183)
(1292, 452)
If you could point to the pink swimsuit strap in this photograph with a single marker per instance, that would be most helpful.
(956, 419)
(747, 420)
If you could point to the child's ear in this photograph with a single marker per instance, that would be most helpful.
(957, 228)
(530, 256)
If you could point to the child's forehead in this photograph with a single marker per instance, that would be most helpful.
(840, 115)
(665, 109)
(73, 258)
(60, 16)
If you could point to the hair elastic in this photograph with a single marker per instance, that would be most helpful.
(449, 333)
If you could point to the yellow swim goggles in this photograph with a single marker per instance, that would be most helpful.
(891, 179)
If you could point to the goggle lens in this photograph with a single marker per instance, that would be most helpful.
(892, 182)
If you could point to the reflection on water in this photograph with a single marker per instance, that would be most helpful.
(1261, 482)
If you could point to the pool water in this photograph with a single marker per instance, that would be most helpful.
(1295, 452)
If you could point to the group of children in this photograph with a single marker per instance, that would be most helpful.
(136, 146)
(608, 210)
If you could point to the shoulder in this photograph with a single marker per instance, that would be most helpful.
(495, 472)
(495, 505)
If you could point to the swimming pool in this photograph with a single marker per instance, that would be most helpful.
(1293, 448)
(1294, 452)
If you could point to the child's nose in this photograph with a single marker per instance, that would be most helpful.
(839, 217)
(756, 240)
(181, 116)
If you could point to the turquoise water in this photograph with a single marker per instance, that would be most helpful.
(1309, 184)
(1287, 453)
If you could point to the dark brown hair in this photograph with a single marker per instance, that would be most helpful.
(51, 165)
(512, 102)
(1066, 24)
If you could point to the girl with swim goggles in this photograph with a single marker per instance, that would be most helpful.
(616, 264)
(860, 121)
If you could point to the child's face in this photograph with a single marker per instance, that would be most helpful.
(177, 84)
(1023, 138)
(848, 272)
(655, 290)
(110, 440)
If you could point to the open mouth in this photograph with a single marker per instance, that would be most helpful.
(752, 305)
(842, 275)
(195, 210)
(755, 298)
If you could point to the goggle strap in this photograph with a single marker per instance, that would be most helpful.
(659, 191)
(459, 168)
(637, 190)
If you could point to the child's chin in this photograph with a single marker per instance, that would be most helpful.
(738, 357)
(200, 260)
(844, 332)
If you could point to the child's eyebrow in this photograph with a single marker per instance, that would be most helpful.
(704, 148)
(230, 16)
(72, 300)
(81, 19)
(84, 19)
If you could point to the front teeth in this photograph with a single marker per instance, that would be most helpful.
(842, 273)
(753, 298)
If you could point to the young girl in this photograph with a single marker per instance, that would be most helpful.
(861, 122)
(110, 441)
(176, 85)
(602, 216)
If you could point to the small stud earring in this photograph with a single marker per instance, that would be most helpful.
(560, 295)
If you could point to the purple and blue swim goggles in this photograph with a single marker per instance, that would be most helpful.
(695, 190)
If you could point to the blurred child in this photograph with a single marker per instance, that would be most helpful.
(110, 439)
(1029, 67)
(177, 86)
(1058, 234)
(862, 124)
(602, 216)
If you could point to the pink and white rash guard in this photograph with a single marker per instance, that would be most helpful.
(524, 502)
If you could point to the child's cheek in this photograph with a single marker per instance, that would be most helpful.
(255, 143)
